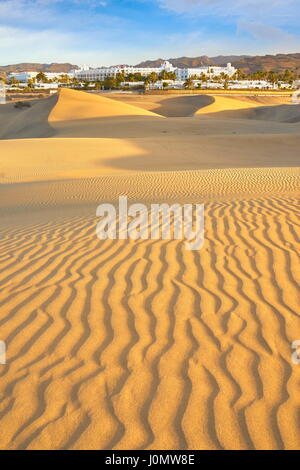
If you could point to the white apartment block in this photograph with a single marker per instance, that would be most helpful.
(251, 84)
(159, 85)
(132, 84)
(46, 86)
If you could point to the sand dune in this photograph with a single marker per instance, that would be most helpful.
(80, 114)
(121, 344)
(188, 105)
(73, 105)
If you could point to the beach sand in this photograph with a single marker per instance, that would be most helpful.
(122, 344)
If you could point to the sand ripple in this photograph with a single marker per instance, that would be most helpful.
(122, 344)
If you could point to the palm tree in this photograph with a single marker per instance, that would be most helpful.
(74, 81)
(110, 82)
(188, 83)
(14, 81)
(153, 77)
(41, 78)
(120, 77)
(65, 78)
(31, 83)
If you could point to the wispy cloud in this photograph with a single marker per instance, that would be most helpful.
(284, 13)
(52, 30)
(267, 25)
(41, 13)
(269, 35)
(264, 32)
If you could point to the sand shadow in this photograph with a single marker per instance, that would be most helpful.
(283, 113)
(126, 127)
(183, 106)
(27, 123)
(167, 105)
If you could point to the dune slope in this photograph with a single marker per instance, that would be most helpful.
(71, 158)
(168, 106)
(27, 123)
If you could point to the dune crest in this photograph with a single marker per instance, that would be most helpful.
(279, 109)
(223, 103)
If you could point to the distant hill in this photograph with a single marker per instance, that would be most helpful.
(277, 63)
(32, 67)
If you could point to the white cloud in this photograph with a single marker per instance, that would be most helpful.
(268, 34)
(264, 32)
(269, 26)
(45, 30)
(44, 12)
(22, 45)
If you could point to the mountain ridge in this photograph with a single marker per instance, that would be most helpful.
(277, 62)
(246, 63)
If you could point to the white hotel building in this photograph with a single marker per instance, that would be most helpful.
(102, 73)
(23, 77)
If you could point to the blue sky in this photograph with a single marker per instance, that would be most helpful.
(106, 32)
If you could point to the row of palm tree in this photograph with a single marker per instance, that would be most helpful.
(288, 76)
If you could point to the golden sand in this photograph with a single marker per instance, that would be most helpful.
(142, 344)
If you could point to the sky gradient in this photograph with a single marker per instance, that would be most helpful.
(111, 32)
